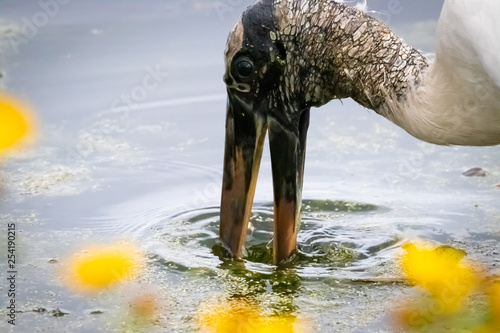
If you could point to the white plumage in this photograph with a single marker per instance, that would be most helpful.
(458, 102)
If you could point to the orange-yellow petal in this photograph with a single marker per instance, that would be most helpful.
(144, 305)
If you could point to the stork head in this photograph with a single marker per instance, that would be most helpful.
(262, 95)
(283, 57)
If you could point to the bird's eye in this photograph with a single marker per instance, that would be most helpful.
(244, 68)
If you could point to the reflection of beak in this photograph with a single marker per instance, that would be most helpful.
(246, 126)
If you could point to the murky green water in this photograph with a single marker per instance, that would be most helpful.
(148, 171)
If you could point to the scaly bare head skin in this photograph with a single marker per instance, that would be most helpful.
(325, 50)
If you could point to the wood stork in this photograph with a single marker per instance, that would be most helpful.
(285, 56)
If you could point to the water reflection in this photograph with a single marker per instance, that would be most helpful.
(240, 314)
(329, 248)
(283, 282)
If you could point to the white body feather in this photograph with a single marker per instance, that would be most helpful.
(458, 101)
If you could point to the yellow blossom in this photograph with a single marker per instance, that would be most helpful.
(441, 272)
(16, 122)
(101, 267)
(241, 316)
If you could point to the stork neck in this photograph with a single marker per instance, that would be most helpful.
(337, 51)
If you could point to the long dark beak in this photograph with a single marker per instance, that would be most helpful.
(246, 126)
(245, 133)
(288, 149)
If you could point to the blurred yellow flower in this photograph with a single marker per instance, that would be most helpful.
(241, 316)
(101, 267)
(441, 272)
(16, 122)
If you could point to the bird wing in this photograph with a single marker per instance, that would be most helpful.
(474, 28)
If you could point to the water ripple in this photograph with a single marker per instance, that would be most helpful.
(328, 243)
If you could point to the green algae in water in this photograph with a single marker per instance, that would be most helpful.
(312, 206)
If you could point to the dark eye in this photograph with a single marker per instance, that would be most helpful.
(244, 68)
